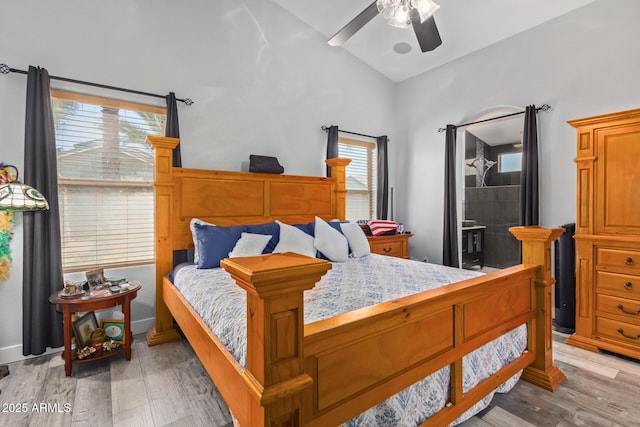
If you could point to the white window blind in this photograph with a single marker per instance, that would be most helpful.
(361, 178)
(105, 180)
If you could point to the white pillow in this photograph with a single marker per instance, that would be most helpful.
(250, 245)
(330, 242)
(357, 239)
(193, 235)
(293, 239)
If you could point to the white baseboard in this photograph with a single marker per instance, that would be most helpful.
(14, 353)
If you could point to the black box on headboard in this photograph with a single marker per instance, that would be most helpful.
(264, 164)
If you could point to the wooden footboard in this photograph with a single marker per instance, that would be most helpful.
(329, 371)
(364, 357)
(355, 360)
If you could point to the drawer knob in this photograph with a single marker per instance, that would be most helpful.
(621, 332)
(628, 286)
(629, 261)
(387, 250)
(621, 308)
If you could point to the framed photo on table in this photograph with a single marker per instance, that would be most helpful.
(82, 328)
(114, 330)
(95, 277)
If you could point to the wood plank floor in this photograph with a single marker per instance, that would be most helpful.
(166, 385)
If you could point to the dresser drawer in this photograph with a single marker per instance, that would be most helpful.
(618, 258)
(388, 248)
(624, 307)
(622, 284)
(620, 331)
(392, 245)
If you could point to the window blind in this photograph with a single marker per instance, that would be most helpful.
(105, 180)
(361, 178)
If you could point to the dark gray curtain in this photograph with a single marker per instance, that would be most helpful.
(529, 206)
(450, 229)
(332, 145)
(42, 254)
(382, 190)
(172, 128)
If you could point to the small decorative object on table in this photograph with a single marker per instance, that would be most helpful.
(95, 277)
(83, 327)
(96, 293)
(114, 330)
(110, 345)
(85, 352)
(115, 280)
(97, 338)
(71, 290)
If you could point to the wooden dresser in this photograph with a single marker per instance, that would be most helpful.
(396, 245)
(608, 233)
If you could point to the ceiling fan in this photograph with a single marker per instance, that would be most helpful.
(401, 13)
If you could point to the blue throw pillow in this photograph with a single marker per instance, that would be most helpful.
(270, 228)
(310, 228)
(307, 228)
(214, 243)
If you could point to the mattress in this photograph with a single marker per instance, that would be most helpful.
(357, 283)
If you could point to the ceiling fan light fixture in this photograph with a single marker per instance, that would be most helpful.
(387, 8)
(399, 12)
(426, 8)
(401, 19)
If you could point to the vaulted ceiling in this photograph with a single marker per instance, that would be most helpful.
(465, 26)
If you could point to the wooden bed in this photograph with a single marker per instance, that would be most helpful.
(327, 372)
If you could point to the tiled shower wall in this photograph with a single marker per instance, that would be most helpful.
(497, 207)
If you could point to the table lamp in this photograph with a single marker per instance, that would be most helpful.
(14, 196)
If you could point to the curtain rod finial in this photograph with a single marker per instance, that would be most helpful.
(441, 129)
(5, 69)
(545, 107)
(188, 101)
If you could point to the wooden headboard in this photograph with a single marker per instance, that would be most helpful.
(229, 198)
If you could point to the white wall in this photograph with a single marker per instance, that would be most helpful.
(262, 82)
(584, 63)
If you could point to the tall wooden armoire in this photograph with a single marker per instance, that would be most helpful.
(608, 233)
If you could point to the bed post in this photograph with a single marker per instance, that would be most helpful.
(274, 372)
(536, 249)
(163, 183)
(339, 172)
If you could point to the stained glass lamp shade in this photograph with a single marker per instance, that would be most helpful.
(14, 196)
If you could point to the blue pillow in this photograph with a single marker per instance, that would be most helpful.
(271, 228)
(310, 228)
(214, 243)
(307, 228)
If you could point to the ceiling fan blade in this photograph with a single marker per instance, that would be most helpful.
(426, 32)
(354, 25)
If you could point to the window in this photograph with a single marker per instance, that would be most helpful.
(509, 162)
(361, 178)
(105, 180)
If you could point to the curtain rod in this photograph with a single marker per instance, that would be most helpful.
(5, 69)
(326, 128)
(545, 107)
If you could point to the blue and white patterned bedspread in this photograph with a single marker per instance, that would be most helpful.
(357, 283)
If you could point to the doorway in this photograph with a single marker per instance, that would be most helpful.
(492, 162)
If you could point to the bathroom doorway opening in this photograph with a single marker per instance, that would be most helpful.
(491, 196)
